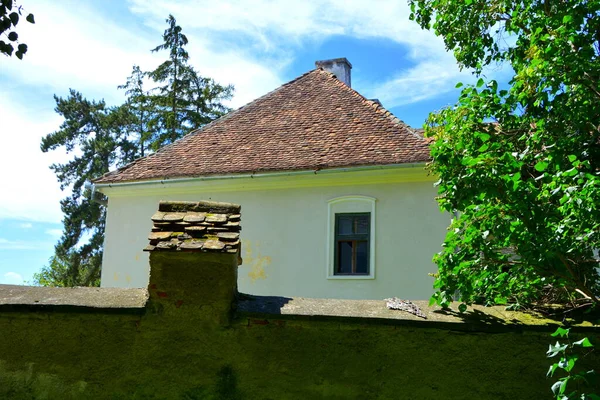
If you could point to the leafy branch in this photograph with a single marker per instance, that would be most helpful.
(10, 15)
(574, 383)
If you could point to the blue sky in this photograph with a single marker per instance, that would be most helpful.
(255, 45)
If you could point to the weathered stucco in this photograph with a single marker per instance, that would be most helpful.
(285, 238)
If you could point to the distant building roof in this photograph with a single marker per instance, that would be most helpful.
(313, 122)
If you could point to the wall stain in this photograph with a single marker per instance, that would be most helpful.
(254, 258)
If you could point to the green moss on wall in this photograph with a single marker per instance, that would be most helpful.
(29, 384)
(160, 356)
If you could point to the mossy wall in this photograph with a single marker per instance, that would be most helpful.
(187, 344)
(56, 355)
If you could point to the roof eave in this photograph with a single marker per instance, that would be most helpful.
(160, 181)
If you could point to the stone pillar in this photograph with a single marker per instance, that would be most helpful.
(194, 255)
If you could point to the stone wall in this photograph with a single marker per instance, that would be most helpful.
(192, 336)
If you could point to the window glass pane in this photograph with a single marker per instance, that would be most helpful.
(345, 225)
(344, 257)
(362, 257)
(362, 224)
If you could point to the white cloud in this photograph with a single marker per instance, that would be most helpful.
(12, 278)
(55, 233)
(29, 188)
(96, 55)
(70, 46)
(25, 225)
(273, 27)
(6, 244)
(428, 80)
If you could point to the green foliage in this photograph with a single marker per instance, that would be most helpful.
(575, 383)
(94, 135)
(58, 273)
(140, 107)
(101, 138)
(184, 100)
(519, 166)
(10, 15)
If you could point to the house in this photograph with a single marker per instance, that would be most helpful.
(335, 199)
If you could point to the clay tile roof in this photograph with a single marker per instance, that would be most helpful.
(312, 122)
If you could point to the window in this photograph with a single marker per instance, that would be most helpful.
(352, 237)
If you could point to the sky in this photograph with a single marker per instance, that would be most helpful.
(256, 45)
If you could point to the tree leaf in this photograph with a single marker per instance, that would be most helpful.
(585, 342)
(554, 350)
(30, 19)
(14, 18)
(483, 136)
(571, 360)
(562, 332)
(541, 166)
(556, 387)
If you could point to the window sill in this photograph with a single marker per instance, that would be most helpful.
(351, 277)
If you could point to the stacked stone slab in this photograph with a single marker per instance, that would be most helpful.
(195, 226)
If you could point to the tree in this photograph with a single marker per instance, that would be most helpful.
(95, 135)
(10, 14)
(57, 274)
(101, 138)
(141, 108)
(520, 166)
(185, 100)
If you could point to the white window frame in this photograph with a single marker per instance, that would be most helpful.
(349, 204)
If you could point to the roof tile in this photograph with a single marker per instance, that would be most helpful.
(312, 122)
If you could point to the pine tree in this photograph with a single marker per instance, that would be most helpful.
(141, 108)
(184, 100)
(94, 134)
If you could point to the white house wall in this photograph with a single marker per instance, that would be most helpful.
(285, 238)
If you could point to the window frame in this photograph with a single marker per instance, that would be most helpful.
(354, 204)
(354, 238)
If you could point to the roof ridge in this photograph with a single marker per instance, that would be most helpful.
(376, 106)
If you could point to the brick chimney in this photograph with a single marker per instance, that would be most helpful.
(194, 255)
(340, 67)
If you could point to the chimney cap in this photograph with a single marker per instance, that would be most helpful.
(323, 63)
(340, 67)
